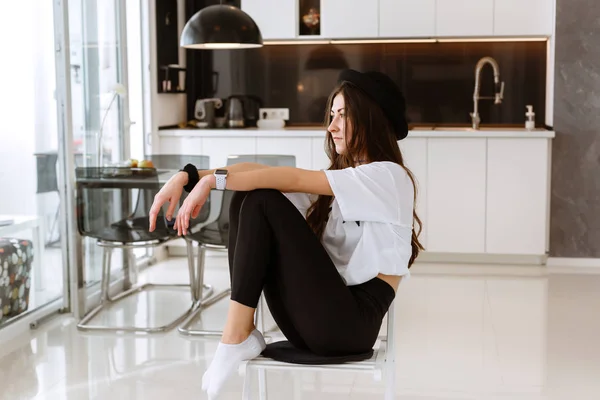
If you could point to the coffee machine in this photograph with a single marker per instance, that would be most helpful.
(205, 112)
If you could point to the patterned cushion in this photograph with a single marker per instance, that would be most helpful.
(16, 257)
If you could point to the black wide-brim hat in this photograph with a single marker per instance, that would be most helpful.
(384, 91)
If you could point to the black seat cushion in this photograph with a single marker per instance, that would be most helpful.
(284, 351)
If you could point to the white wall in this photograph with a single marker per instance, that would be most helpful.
(164, 109)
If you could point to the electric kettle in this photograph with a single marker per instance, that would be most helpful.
(242, 111)
(235, 112)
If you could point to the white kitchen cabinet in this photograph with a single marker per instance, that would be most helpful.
(477, 194)
(349, 19)
(465, 17)
(276, 19)
(301, 148)
(518, 17)
(406, 18)
(414, 153)
(320, 160)
(456, 195)
(180, 145)
(517, 196)
(220, 148)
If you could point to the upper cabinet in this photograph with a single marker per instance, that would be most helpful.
(465, 18)
(406, 18)
(349, 19)
(276, 19)
(400, 19)
(518, 17)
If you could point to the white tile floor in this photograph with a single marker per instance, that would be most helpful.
(478, 332)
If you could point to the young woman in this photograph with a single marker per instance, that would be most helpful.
(328, 248)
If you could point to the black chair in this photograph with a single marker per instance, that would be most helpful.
(176, 162)
(109, 211)
(214, 233)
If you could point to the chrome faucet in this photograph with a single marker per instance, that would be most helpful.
(476, 97)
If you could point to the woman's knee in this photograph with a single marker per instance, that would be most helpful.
(235, 207)
(237, 198)
(258, 197)
(241, 201)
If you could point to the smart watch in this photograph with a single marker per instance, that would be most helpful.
(221, 175)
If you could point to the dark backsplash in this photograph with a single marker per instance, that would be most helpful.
(437, 78)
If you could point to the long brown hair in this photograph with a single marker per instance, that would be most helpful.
(372, 138)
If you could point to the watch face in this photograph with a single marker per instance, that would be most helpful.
(221, 172)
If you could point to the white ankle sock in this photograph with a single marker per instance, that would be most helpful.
(227, 360)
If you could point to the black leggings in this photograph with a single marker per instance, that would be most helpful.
(272, 248)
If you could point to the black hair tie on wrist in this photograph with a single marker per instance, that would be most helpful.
(193, 177)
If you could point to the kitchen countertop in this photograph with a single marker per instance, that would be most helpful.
(416, 132)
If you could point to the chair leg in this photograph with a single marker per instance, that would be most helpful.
(192, 271)
(262, 384)
(106, 300)
(132, 269)
(390, 374)
(261, 375)
(105, 283)
(247, 388)
(390, 382)
(204, 301)
(199, 284)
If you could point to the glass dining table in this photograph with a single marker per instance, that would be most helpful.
(122, 177)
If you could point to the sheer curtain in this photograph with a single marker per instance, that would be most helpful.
(27, 104)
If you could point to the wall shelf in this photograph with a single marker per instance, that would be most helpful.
(167, 48)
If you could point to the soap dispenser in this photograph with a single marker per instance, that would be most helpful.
(530, 122)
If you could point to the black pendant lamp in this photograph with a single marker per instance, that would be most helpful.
(221, 27)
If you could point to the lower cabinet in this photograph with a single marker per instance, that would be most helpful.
(181, 145)
(414, 153)
(301, 148)
(456, 195)
(219, 149)
(475, 195)
(517, 196)
(320, 160)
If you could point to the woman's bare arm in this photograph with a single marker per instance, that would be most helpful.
(284, 179)
(239, 167)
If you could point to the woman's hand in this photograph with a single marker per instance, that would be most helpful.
(170, 192)
(193, 204)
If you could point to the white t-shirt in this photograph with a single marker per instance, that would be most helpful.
(369, 229)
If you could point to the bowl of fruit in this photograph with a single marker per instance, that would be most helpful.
(143, 167)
